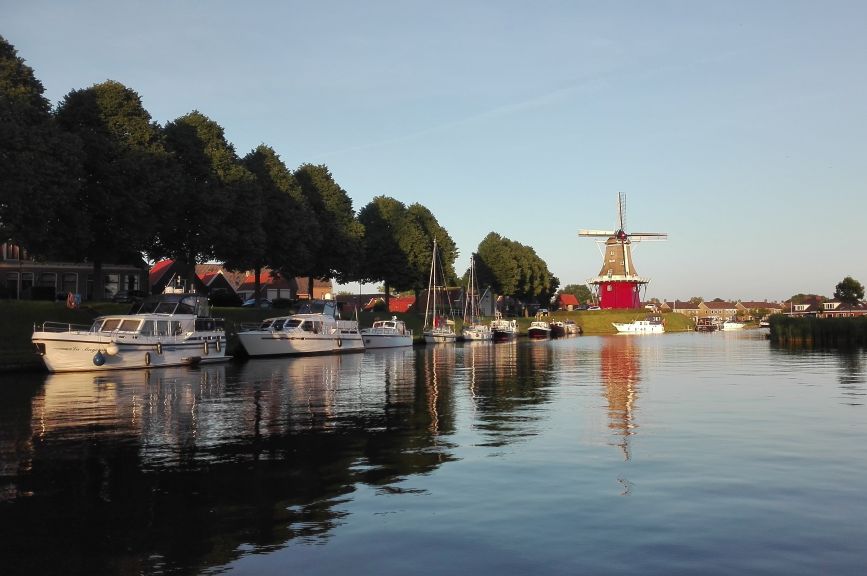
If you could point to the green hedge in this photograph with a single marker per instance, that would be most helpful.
(819, 332)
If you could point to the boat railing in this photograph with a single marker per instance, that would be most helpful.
(61, 327)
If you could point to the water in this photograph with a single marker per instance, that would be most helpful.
(671, 454)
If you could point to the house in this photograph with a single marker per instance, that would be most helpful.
(718, 309)
(838, 309)
(567, 301)
(274, 286)
(686, 308)
(171, 274)
(758, 309)
(26, 278)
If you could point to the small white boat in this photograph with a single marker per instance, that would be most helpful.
(316, 329)
(562, 328)
(651, 325)
(729, 325)
(539, 330)
(473, 328)
(437, 329)
(387, 334)
(164, 330)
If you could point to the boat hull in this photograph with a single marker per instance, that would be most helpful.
(440, 337)
(87, 351)
(477, 334)
(386, 340)
(268, 343)
(639, 327)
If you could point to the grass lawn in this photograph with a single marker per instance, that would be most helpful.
(19, 317)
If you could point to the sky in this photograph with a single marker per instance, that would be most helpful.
(738, 128)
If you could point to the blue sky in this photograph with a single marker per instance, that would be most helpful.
(736, 127)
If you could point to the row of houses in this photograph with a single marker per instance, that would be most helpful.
(24, 278)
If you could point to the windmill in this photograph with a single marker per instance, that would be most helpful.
(618, 284)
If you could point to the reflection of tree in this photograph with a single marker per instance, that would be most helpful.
(510, 382)
(852, 376)
(181, 470)
(620, 367)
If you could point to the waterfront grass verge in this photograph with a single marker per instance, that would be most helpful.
(819, 332)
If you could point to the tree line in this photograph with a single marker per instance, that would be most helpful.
(96, 179)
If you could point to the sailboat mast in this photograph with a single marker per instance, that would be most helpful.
(431, 286)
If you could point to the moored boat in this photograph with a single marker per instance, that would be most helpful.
(503, 330)
(539, 330)
(730, 325)
(387, 334)
(316, 329)
(651, 325)
(437, 328)
(473, 328)
(561, 328)
(163, 330)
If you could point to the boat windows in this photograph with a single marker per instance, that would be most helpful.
(278, 324)
(110, 325)
(147, 328)
(266, 324)
(292, 323)
(129, 325)
(161, 328)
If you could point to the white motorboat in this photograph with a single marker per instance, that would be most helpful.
(729, 325)
(651, 325)
(539, 330)
(164, 330)
(387, 334)
(437, 328)
(316, 329)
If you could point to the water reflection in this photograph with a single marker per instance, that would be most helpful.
(620, 366)
(852, 376)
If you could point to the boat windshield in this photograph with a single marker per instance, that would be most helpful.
(324, 307)
(175, 304)
(292, 323)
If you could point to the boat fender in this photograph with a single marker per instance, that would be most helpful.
(206, 347)
(159, 348)
(111, 349)
(339, 342)
(218, 344)
(147, 358)
(98, 358)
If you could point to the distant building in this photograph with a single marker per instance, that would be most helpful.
(25, 278)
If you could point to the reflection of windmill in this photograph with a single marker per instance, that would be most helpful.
(618, 284)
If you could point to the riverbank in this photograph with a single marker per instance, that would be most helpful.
(19, 318)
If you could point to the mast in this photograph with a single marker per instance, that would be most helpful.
(431, 286)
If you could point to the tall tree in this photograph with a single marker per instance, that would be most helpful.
(206, 215)
(39, 165)
(428, 230)
(338, 252)
(123, 172)
(849, 291)
(288, 224)
(397, 251)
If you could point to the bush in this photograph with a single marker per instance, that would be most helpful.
(281, 303)
(224, 299)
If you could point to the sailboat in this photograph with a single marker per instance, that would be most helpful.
(437, 329)
(473, 327)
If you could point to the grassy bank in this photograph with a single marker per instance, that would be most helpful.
(19, 317)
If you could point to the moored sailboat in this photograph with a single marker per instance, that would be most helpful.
(437, 328)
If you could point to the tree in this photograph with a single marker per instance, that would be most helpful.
(39, 165)
(124, 168)
(390, 236)
(338, 250)
(512, 269)
(849, 291)
(287, 223)
(206, 214)
(425, 229)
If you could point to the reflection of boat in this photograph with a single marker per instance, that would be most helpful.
(316, 329)
(164, 330)
(387, 334)
(503, 330)
(562, 328)
(473, 328)
(731, 325)
(651, 325)
(437, 329)
(539, 330)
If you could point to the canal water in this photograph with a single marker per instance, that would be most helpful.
(671, 454)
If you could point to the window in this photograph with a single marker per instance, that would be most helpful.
(129, 325)
(12, 285)
(48, 280)
(69, 282)
(110, 325)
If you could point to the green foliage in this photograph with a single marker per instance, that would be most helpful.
(849, 291)
(513, 269)
(424, 229)
(581, 291)
(40, 166)
(338, 252)
(818, 332)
